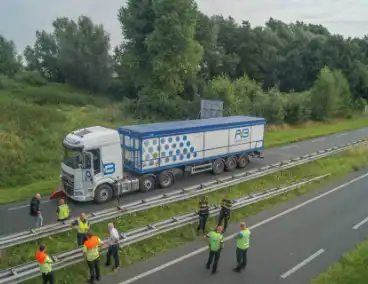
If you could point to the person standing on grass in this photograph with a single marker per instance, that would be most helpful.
(45, 263)
(113, 246)
(35, 210)
(203, 213)
(82, 226)
(91, 249)
(224, 215)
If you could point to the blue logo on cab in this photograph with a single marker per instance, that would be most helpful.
(109, 168)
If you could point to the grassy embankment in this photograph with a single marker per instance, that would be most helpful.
(351, 269)
(34, 121)
(338, 165)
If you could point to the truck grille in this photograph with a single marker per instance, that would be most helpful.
(68, 183)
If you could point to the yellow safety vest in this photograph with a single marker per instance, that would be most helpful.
(215, 241)
(243, 243)
(83, 226)
(91, 248)
(64, 212)
(44, 261)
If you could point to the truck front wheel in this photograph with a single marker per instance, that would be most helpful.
(103, 193)
(146, 183)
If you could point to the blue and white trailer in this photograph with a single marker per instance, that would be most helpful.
(100, 162)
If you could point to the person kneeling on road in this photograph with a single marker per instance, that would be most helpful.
(92, 255)
(216, 244)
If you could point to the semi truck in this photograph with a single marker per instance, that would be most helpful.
(101, 163)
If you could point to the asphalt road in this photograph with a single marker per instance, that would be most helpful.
(20, 211)
(290, 243)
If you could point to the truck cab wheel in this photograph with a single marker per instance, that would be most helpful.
(218, 167)
(243, 161)
(146, 183)
(103, 193)
(166, 179)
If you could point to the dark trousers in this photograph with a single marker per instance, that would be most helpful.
(81, 238)
(94, 269)
(213, 256)
(223, 217)
(48, 278)
(241, 258)
(202, 223)
(114, 252)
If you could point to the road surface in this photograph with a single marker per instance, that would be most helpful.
(290, 243)
(20, 211)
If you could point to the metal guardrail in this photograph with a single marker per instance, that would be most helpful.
(30, 270)
(177, 195)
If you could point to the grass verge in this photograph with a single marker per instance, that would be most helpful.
(275, 136)
(338, 165)
(351, 269)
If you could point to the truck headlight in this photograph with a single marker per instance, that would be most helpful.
(78, 193)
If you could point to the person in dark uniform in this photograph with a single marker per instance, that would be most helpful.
(203, 214)
(226, 205)
(216, 244)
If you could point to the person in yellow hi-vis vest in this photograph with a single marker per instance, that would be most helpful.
(92, 254)
(63, 211)
(242, 246)
(216, 244)
(45, 263)
(82, 226)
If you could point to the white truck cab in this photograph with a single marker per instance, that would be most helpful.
(93, 165)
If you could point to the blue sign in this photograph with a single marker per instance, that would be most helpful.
(88, 175)
(242, 133)
(109, 168)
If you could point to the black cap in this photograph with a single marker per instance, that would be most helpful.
(42, 247)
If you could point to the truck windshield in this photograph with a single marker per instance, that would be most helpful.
(72, 158)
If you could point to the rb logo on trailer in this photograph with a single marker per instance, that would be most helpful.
(241, 134)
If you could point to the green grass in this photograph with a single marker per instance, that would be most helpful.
(337, 165)
(351, 269)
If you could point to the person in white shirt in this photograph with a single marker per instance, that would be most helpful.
(113, 246)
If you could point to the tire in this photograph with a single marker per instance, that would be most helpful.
(103, 193)
(218, 166)
(166, 179)
(243, 161)
(230, 164)
(146, 183)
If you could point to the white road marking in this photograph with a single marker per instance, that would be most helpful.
(25, 205)
(289, 146)
(357, 226)
(303, 263)
(343, 134)
(266, 221)
(319, 140)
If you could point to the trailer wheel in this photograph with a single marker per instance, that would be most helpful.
(243, 161)
(218, 167)
(103, 193)
(166, 179)
(146, 183)
(230, 164)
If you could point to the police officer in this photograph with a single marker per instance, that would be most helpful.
(216, 244)
(242, 245)
(81, 226)
(45, 263)
(92, 255)
(203, 214)
(226, 205)
(63, 211)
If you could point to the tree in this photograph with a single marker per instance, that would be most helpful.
(10, 62)
(76, 53)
